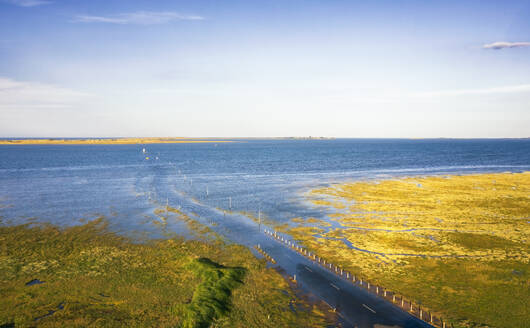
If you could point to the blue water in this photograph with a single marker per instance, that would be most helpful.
(64, 183)
(71, 183)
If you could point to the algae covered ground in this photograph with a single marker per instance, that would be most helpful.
(458, 245)
(87, 276)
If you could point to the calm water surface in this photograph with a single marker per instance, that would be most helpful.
(61, 184)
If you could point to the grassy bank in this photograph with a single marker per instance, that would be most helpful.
(458, 244)
(87, 276)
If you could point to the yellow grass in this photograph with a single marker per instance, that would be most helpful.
(458, 244)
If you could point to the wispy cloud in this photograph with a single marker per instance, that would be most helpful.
(27, 3)
(483, 91)
(30, 95)
(503, 45)
(139, 18)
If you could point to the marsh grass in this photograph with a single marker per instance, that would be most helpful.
(458, 244)
(211, 298)
(475, 241)
(96, 278)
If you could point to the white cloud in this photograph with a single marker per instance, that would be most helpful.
(27, 3)
(484, 91)
(502, 45)
(139, 17)
(30, 95)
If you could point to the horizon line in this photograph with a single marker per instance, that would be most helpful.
(243, 137)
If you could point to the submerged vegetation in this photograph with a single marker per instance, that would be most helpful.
(459, 245)
(87, 276)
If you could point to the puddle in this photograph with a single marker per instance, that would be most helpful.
(34, 282)
(50, 312)
(292, 307)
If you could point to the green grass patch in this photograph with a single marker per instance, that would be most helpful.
(95, 278)
(211, 298)
(480, 241)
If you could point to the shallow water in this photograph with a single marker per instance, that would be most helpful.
(63, 184)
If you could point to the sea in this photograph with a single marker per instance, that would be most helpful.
(70, 184)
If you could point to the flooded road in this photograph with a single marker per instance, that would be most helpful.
(356, 307)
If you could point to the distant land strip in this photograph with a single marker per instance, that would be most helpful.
(104, 141)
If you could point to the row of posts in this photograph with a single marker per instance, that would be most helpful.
(400, 301)
(265, 254)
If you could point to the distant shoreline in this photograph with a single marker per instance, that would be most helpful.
(106, 141)
(162, 140)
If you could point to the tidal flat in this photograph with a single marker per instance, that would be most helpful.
(88, 276)
(457, 245)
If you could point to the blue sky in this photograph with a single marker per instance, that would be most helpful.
(264, 68)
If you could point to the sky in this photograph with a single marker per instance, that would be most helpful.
(270, 68)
